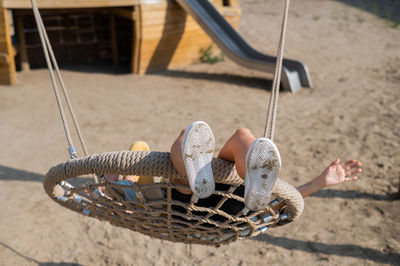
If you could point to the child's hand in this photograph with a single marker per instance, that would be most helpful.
(337, 173)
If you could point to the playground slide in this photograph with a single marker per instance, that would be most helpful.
(295, 74)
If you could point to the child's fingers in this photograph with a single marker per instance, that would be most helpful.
(348, 163)
(358, 170)
(351, 178)
(351, 164)
(356, 164)
(336, 162)
(353, 172)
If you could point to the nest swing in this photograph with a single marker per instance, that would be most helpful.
(171, 219)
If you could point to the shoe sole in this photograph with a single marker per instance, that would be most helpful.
(198, 150)
(263, 163)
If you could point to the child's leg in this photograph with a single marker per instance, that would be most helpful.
(258, 162)
(176, 157)
(191, 155)
(236, 149)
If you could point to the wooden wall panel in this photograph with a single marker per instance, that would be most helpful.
(67, 3)
(165, 36)
(171, 38)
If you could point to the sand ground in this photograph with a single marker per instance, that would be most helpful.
(352, 111)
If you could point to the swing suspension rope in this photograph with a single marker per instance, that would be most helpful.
(196, 224)
(52, 65)
(52, 62)
(269, 130)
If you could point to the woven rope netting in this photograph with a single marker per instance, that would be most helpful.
(170, 218)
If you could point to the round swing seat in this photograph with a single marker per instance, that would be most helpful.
(170, 218)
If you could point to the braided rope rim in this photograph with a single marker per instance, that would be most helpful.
(165, 223)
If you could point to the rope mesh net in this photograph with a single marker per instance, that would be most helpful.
(212, 221)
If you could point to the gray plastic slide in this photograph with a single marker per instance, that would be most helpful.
(295, 74)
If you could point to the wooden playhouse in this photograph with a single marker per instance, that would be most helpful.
(146, 35)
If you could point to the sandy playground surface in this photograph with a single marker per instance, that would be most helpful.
(352, 111)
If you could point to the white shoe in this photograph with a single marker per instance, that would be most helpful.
(197, 151)
(263, 163)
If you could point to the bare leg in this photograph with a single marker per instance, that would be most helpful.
(236, 149)
(191, 154)
(176, 157)
(176, 154)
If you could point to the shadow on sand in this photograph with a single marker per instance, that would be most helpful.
(352, 194)
(252, 82)
(344, 250)
(234, 79)
(386, 9)
(8, 173)
(98, 67)
(38, 262)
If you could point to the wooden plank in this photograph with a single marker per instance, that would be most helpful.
(7, 65)
(176, 14)
(168, 62)
(160, 30)
(191, 51)
(193, 47)
(161, 57)
(170, 34)
(230, 3)
(54, 13)
(162, 18)
(163, 60)
(125, 13)
(162, 23)
(157, 29)
(179, 13)
(172, 6)
(162, 5)
(173, 38)
(184, 53)
(14, 4)
(137, 40)
(156, 12)
(149, 46)
(168, 28)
